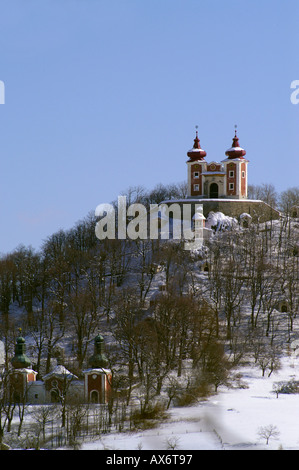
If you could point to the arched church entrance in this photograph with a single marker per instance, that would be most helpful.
(94, 396)
(214, 191)
(54, 396)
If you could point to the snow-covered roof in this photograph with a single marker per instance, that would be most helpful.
(234, 148)
(26, 370)
(198, 216)
(196, 150)
(60, 371)
(241, 159)
(97, 370)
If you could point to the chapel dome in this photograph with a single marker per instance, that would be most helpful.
(235, 151)
(99, 359)
(20, 360)
(196, 153)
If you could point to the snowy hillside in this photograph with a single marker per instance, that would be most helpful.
(230, 420)
(196, 341)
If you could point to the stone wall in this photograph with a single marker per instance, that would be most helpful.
(258, 210)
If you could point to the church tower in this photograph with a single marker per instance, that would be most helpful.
(22, 376)
(235, 168)
(98, 378)
(196, 167)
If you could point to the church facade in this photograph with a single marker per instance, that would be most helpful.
(213, 180)
(95, 387)
(223, 186)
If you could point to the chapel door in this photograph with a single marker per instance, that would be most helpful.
(214, 191)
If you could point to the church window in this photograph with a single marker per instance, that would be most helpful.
(196, 174)
(196, 187)
(231, 173)
(231, 186)
(243, 174)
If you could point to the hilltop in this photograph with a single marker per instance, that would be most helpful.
(181, 328)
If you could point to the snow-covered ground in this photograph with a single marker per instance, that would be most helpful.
(228, 420)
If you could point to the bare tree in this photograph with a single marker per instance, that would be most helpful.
(265, 192)
(268, 432)
(84, 317)
(5, 402)
(288, 199)
(41, 415)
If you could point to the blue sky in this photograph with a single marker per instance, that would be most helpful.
(102, 95)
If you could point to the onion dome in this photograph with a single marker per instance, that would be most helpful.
(235, 151)
(20, 360)
(196, 153)
(98, 360)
